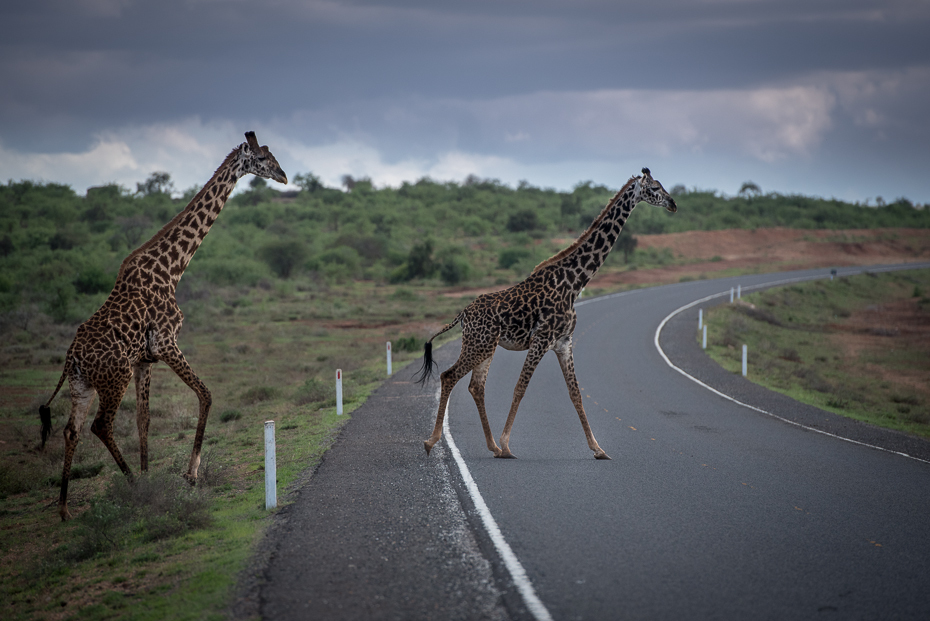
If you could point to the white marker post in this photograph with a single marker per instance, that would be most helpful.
(704, 346)
(339, 392)
(271, 468)
(731, 295)
(744, 361)
(700, 318)
(389, 357)
(739, 292)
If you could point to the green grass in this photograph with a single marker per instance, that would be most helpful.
(842, 346)
(265, 355)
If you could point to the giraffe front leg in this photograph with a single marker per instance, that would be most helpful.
(102, 426)
(537, 349)
(175, 359)
(479, 376)
(567, 361)
(143, 375)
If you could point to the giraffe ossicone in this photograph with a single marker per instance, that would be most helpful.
(138, 324)
(537, 314)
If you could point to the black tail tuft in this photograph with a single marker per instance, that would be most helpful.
(45, 415)
(426, 371)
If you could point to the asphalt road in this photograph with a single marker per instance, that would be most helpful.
(708, 509)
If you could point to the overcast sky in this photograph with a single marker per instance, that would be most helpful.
(828, 98)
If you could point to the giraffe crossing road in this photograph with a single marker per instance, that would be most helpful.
(707, 510)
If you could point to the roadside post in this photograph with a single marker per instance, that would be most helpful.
(339, 392)
(271, 467)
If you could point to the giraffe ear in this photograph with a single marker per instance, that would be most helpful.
(253, 141)
(646, 172)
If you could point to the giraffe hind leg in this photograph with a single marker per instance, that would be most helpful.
(479, 376)
(470, 357)
(143, 375)
(82, 397)
(448, 379)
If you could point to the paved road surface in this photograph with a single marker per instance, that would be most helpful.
(707, 510)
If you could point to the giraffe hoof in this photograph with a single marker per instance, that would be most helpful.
(601, 455)
(428, 447)
(505, 455)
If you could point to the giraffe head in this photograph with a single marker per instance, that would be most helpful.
(652, 192)
(259, 160)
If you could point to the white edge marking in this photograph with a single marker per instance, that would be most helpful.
(752, 407)
(517, 573)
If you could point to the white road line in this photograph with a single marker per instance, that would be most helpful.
(517, 573)
(746, 405)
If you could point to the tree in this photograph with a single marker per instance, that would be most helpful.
(157, 183)
(749, 190)
(283, 256)
(420, 262)
(523, 220)
(627, 244)
(308, 183)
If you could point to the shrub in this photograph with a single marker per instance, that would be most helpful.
(257, 394)
(523, 220)
(509, 257)
(407, 343)
(283, 256)
(454, 268)
(313, 391)
(93, 280)
(155, 506)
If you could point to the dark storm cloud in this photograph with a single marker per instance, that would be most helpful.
(148, 59)
(495, 77)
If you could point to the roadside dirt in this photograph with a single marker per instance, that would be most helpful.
(766, 250)
(877, 330)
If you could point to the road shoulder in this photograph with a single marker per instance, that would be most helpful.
(679, 341)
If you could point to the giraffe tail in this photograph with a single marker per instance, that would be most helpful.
(45, 411)
(429, 365)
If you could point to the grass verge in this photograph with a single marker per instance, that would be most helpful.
(160, 549)
(857, 346)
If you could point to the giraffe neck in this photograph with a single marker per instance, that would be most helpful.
(580, 262)
(161, 261)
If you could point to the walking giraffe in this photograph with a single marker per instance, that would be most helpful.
(138, 324)
(537, 314)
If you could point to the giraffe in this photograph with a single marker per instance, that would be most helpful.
(138, 325)
(537, 314)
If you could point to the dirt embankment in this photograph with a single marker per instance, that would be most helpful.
(707, 253)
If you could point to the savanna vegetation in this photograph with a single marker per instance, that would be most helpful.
(59, 251)
(284, 290)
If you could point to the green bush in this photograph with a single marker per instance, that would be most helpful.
(508, 257)
(314, 391)
(283, 256)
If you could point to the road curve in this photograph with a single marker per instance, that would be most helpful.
(708, 509)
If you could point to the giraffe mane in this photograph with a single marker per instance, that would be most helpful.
(584, 236)
(164, 230)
